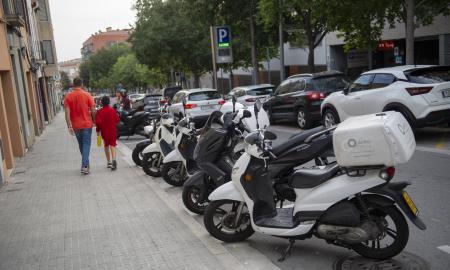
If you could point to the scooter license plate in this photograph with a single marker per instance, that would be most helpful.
(446, 93)
(410, 203)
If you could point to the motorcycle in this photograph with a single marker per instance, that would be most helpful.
(132, 122)
(153, 155)
(352, 206)
(137, 155)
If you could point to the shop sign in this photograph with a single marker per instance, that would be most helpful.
(386, 45)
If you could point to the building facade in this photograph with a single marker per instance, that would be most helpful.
(27, 83)
(104, 39)
(70, 67)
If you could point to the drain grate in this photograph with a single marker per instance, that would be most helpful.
(403, 261)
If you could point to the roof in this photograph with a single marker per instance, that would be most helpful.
(252, 87)
(397, 71)
(317, 74)
(196, 90)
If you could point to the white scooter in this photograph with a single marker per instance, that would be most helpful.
(153, 155)
(353, 206)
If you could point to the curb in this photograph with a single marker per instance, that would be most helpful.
(226, 258)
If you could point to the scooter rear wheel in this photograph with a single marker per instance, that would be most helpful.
(137, 155)
(173, 173)
(150, 164)
(191, 199)
(394, 236)
(220, 217)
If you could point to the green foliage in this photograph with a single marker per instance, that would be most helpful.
(425, 10)
(65, 81)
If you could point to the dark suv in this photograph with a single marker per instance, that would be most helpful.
(152, 103)
(298, 98)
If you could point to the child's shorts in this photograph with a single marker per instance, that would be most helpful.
(109, 142)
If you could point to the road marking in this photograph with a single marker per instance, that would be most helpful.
(433, 150)
(445, 248)
(441, 142)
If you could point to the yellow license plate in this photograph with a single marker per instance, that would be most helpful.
(410, 203)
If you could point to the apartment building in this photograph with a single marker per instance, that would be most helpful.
(28, 77)
(103, 39)
(70, 67)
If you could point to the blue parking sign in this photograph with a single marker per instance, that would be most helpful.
(223, 37)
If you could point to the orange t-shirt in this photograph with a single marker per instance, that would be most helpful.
(79, 102)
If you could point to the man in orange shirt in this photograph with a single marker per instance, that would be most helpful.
(80, 115)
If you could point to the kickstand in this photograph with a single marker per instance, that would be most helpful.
(287, 251)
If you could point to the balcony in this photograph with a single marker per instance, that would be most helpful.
(14, 13)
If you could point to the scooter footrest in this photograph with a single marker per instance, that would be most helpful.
(283, 219)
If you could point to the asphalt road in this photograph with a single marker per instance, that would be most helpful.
(429, 173)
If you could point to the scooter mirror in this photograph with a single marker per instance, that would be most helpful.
(270, 136)
(246, 114)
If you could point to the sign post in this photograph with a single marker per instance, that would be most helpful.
(221, 48)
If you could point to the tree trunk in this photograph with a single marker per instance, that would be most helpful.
(369, 57)
(254, 50)
(410, 27)
(196, 80)
(311, 66)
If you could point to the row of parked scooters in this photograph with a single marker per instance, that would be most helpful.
(233, 175)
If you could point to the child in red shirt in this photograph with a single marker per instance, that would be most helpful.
(106, 120)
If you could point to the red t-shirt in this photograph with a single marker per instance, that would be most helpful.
(79, 102)
(106, 120)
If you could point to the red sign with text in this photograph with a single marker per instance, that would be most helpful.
(386, 45)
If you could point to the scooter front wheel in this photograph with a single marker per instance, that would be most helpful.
(151, 164)
(173, 173)
(223, 221)
(192, 199)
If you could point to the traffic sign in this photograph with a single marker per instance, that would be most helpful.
(221, 43)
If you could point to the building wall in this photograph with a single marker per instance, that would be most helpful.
(104, 39)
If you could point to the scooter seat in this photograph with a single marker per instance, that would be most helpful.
(295, 140)
(309, 178)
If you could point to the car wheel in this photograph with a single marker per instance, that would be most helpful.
(330, 118)
(303, 120)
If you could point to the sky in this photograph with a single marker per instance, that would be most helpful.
(75, 20)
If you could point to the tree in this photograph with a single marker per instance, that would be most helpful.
(99, 64)
(65, 81)
(84, 73)
(361, 22)
(133, 74)
(167, 36)
(415, 13)
(310, 16)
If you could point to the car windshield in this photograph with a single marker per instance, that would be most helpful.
(429, 75)
(260, 91)
(151, 99)
(206, 95)
(329, 83)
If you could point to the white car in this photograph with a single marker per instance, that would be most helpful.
(420, 93)
(200, 103)
(247, 95)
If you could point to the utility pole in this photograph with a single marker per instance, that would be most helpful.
(280, 30)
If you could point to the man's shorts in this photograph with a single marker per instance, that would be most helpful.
(109, 142)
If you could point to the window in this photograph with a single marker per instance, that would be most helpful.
(438, 74)
(329, 84)
(297, 85)
(207, 95)
(178, 97)
(382, 80)
(362, 83)
(42, 11)
(260, 91)
(283, 88)
(47, 51)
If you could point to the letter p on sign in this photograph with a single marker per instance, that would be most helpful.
(223, 37)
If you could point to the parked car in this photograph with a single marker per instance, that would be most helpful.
(136, 100)
(298, 98)
(169, 92)
(420, 93)
(247, 95)
(152, 103)
(200, 103)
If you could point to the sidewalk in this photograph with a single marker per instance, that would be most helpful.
(52, 217)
